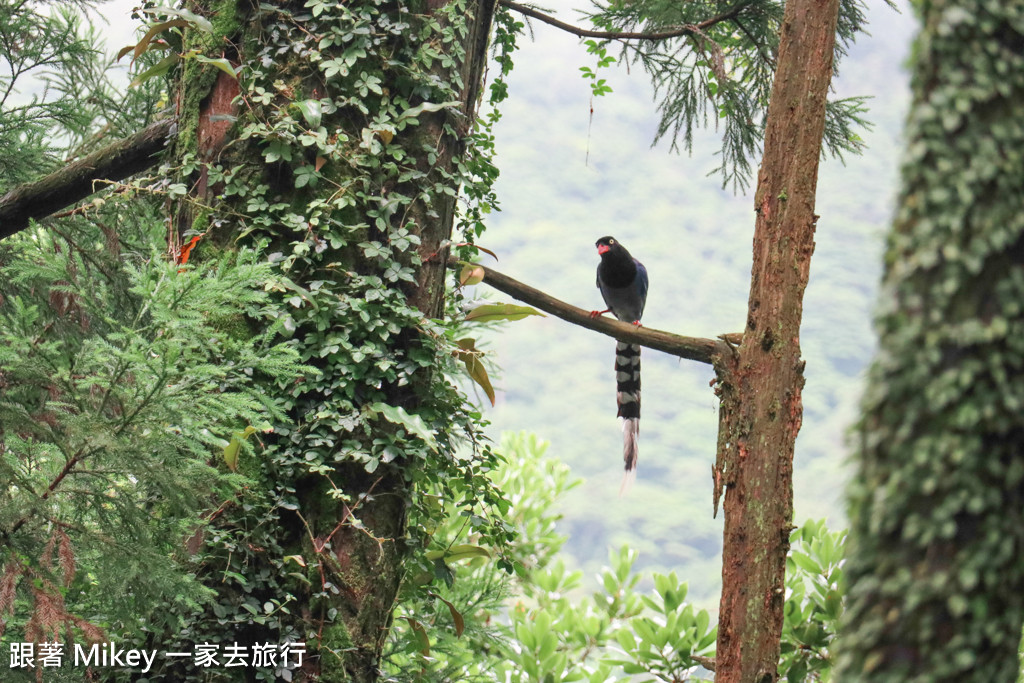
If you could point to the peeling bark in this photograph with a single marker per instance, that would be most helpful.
(760, 383)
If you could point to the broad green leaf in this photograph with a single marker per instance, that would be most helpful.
(525, 636)
(459, 552)
(413, 423)
(806, 562)
(312, 112)
(610, 585)
(158, 69)
(644, 628)
(413, 112)
(219, 62)
(234, 446)
(833, 604)
(488, 313)
(548, 645)
(703, 620)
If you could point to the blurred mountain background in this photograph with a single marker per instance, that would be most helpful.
(566, 180)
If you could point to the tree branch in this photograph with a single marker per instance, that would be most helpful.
(691, 348)
(670, 32)
(68, 466)
(75, 181)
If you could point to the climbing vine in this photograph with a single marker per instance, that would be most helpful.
(345, 148)
(936, 584)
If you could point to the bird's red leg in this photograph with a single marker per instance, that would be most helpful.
(594, 314)
(637, 323)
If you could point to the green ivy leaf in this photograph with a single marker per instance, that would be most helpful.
(413, 423)
(312, 112)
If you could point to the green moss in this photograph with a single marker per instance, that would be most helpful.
(334, 644)
(226, 20)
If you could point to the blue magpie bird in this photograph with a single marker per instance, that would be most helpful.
(623, 284)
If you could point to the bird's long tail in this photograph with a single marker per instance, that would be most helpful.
(627, 385)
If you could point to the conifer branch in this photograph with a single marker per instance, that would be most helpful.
(691, 348)
(68, 467)
(76, 181)
(663, 34)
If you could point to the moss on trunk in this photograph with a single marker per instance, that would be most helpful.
(338, 149)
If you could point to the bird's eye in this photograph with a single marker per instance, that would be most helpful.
(611, 241)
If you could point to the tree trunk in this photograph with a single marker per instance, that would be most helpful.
(935, 575)
(760, 384)
(334, 500)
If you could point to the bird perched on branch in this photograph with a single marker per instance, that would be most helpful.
(623, 284)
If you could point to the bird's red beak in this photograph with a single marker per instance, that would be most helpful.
(602, 248)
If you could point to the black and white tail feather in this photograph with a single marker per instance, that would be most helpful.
(623, 284)
(627, 396)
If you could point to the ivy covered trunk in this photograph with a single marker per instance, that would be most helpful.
(340, 148)
(760, 383)
(936, 580)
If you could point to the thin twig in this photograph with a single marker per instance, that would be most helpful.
(663, 34)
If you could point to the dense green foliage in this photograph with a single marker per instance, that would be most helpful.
(936, 581)
(341, 159)
(124, 377)
(541, 625)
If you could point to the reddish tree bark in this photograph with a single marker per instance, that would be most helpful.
(760, 383)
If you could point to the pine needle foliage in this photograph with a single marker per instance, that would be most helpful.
(57, 100)
(719, 72)
(46, 57)
(123, 376)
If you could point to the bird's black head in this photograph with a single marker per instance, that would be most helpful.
(606, 244)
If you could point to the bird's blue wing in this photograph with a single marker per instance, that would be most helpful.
(641, 284)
